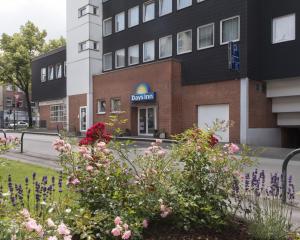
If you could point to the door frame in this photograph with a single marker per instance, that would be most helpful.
(155, 120)
(80, 126)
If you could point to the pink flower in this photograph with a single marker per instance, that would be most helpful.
(163, 208)
(75, 181)
(83, 150)
(88, 157)
(158, 141)
(63, 230)
(126, 226)
(68, 237)
(145, 223)
(106, 151)
(147, 153)
(161, 153)
(232, 148)
(116, 231)
(126, 235)
(89, 168)
(52, 238)
(164, 214)
(25, 213)
(39, 230)
(118, 220)
(50, 223)
(101, 145)
(31, 225)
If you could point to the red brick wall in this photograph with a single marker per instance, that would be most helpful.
(75, 102)
(45, 116)
(226, 92)
(260, 108)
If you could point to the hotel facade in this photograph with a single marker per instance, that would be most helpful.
(168, 66)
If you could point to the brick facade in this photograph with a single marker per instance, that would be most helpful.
(75, 102)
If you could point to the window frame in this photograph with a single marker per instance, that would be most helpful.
(189, 51)
(44, 75)
(159, 9)
(98, 102)
(116, 22)
(295, 30)
(111, 105)
(119, 50)
(56, 72)
(138, 47)
(159, 50)
(103, 28)
(177, 7)
(144, 10)
(198, 43)
(239, 30)
(111, 67)
(129, 10)
(145, 61)
(50, 79)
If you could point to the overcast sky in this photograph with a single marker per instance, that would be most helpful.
(46, 14)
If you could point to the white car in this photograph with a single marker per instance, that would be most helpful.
(19, 124)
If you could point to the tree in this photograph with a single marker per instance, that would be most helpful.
(53, 44)
(16, 54)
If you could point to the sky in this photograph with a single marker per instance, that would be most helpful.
(49, 15)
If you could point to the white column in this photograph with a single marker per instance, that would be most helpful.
(244, 117)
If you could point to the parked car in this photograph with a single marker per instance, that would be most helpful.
(19, 124)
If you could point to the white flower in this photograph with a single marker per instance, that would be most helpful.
(68, 210)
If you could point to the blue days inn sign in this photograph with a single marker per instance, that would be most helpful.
(143, 93)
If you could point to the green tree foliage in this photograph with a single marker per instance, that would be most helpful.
(53, 44)
(16, 54)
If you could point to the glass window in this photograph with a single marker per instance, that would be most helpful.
(107, 27)
(133, 16)
(133, 55)
(206, 36)
(165, 7)
(107, 61)
(58, 113)
(284, 28)
(148, 11)
(8, 102)
(9, 88)
(184, 42)
(165, 47)
(230, 30)
(50, 73)
(183, 4)
(43, 74)
(58, 71)
(82, 11)
(120, 58)
(65, 69)
(101, 106)
(120, 22)
(115, 105)
(149, 51)
(83, 46)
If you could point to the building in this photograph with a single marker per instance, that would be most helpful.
(49, 89)
(165, 64)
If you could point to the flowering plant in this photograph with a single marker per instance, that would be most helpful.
(95, 134)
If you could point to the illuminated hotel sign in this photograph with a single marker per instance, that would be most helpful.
(143, 93)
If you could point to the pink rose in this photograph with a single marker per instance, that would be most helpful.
(158, 141)
(126, 226)
(161, 153)
(39, 230)
(31, 225)
(25, 213)
(89, 168)
(75, 181)
(126, 235)
(147, 153)
(116, 231)
(52, 238)
(83, 150)
(232, 148)
(69, 237)
(101, 145)
(118, 220)
(50, 223)
(63, 230)
(145, 223)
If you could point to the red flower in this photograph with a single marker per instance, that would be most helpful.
(95, 134)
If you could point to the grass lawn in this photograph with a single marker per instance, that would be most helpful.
(19, 171)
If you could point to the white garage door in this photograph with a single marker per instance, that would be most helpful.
(208, 114)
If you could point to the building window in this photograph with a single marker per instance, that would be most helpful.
(50, 73)
(183, 4)
(206, 37)
(82, 11)
(101, 107)
(107, 27)
(107, 61)
(184, 42)
(165, 7)
(133, 55)
(120, 58)
(115, 105)
(165, 47)
(9, 88)
(149, 51)
(65, 69)
(88, 45)
(148, 11)
(120, 22)
(58, 113)
(19, 90)
(8, 102)
(43, 74)
(88, 9)
(58, 71)
(20, 104)
(133, 16)
(284, 29)
(230, 30)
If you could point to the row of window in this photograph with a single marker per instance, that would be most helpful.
(54, 72)
(230, 31)
(115, 106)
(58, 113)
(165, 7)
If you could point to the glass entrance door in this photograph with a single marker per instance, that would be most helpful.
(82, 119)
(146, 120)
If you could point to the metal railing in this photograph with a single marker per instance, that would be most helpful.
(36, 133)
(4, 133)
(284, 172)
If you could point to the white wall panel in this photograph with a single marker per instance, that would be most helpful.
(288, 119)
(283, 87)
(286, 104)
